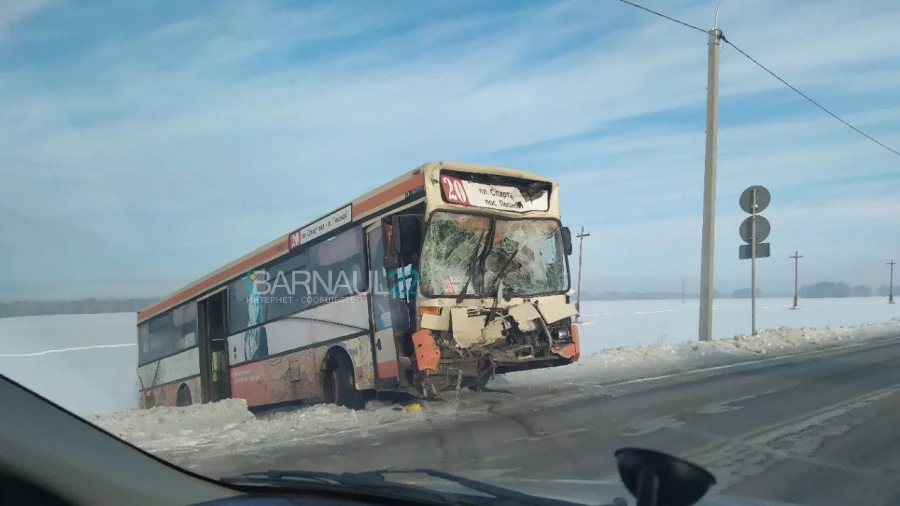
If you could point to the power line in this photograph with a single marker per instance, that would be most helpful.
(773, 74)
(670, 18)
(810, 100)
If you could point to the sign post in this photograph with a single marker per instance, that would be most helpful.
(891, 284)
(797, 256)
(753, 236)
(753, 231)
(581, 235)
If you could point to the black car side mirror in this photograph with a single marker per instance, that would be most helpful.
(567, 240)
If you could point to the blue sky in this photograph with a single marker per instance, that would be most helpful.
(144, 144)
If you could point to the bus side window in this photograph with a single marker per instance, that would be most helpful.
(143, 342)
(381, 281)
(341, 261)
(185, 325)
(406, 238)
(160, 336)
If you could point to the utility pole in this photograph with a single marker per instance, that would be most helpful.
(581, 235)
(707, 253)
(797, 256)
(753, 263)
(891, 285)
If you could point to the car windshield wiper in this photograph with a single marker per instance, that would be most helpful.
(498, 281)
(478, 486)
(375, 483)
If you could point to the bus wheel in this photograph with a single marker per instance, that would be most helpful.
(340, 388)
(183, 398)
(480, 381)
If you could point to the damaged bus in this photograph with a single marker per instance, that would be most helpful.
(435, 281)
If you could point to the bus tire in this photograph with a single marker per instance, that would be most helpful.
(481, 381)
(340, 387)
(183, 398)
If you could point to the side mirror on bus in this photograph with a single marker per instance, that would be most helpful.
(407, 235)
(567, 240)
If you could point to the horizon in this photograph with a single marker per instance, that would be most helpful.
(765, 293)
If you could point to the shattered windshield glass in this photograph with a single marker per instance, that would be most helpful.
(526, 253)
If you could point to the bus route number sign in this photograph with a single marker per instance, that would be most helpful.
(454, 190)
(490, 196)
(320, 227)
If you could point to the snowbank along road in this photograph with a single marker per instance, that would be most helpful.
(817, 427)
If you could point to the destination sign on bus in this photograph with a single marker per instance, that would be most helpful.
(336, 219)
(490, 196)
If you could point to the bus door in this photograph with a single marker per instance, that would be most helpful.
(401, 250)
(211, 319)
(383, 340)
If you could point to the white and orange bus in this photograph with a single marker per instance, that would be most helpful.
(432, 282)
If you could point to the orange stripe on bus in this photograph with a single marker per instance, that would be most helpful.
(388, 195)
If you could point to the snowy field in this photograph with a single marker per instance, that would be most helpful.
(86, 363)
(197, 433)
(610, 324)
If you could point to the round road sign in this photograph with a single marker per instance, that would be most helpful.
(762, 229)
(762, 199)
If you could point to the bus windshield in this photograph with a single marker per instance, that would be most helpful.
(475, 253)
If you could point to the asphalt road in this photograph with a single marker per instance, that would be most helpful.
(814, 429)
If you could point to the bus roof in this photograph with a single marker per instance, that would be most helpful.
(366, 204)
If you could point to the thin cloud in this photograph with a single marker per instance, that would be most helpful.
(197, 138)
(13, 12)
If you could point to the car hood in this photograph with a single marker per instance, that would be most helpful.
(576, 491)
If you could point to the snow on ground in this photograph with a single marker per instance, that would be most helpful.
(610, 324)
(85, 363)
(228, 427)
(632, 362)
(67, 358)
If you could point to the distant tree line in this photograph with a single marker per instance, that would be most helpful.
(883, 290)
(744, 293)
(831, 289)
(824, 289)
(81, 306)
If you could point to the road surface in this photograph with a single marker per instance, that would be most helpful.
(821, 428)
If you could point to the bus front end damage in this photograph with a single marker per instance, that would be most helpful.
(464, 346)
